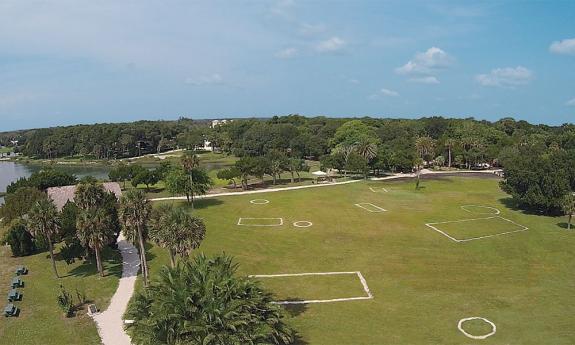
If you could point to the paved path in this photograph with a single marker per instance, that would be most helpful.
(109, 322)
(271, 190)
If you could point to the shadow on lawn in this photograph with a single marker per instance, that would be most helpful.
(514, 205)
(202, 203)
(565, 225)
(295, 309)
(111, 259)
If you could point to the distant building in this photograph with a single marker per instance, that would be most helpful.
(61, 195)
(216, 123)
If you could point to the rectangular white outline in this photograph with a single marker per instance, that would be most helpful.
(378, 190)
(431, 225)
(368, 293)
(379, 209)
(280, 224)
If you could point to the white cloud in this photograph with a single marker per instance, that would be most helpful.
(389, 93)
(306, 29)
(282, 7)
(566, 46)
(570, 103)
(331, 45)
(506, 77)
(287, 53)
(429, 62)
(425, 80)
(211, 79)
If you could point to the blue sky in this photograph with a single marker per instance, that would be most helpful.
(68, 61)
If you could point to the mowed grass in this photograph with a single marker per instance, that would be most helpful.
(41, 321)
(472, 228)
(423, 283)
(316, 287)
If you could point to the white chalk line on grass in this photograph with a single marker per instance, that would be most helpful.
(368, 293)
(479, 337)
(377, 208)
(497, 211)
(431, 225)
(281, 221)
(259, 201)
(302, 224)
(378, 190)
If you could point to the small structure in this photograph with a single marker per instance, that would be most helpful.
(321, 176)
(216, 123)
(61, 195)
(92, 309)
(16, 283)
(14, 295)
(10, 310)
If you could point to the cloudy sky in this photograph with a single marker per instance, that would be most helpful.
(70, 61)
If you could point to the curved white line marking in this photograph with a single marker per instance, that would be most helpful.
(497, 211)
(259, 201)
(302, 224)
(493, 327)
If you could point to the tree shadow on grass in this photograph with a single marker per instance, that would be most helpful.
(515, 205)
(111, 259)
(565, 225)
(202, 203)
(295, 309)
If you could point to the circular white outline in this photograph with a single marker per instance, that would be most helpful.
(307, 222)
(259, 201)
(463, 207)
(493, 327)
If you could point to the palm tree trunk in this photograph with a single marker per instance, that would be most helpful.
(569, 224)
(172, 257)
(192, 188)
(292, 179)
(144, 262)
(51, 248)
(99, 262)
(449, 160)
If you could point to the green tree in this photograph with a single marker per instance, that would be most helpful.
(425, 148)
(135, 212)
(146, 177)
(230, 174)
(295, 166)
(95, 231)
(568, 207)
(203, 302)
(18, 203)
(276, 163)
(20, 240)
(43, 221)
(450, 144)
(177, 231)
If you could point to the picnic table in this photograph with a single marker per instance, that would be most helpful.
(21, 270)
(16, 282)
(13, 295)
(10, 310)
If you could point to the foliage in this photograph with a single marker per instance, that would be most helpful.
(176, 230)
(20, 240)
(203, 302)
(43, 222)
(568, 207)
(95, 231)
(19, 202)
(230, 174)
(42, 180)
(147, 177)
(65, 302)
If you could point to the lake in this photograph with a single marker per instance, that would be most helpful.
(12, 171)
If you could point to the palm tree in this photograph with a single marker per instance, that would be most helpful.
(366, 149)
(424, 147)
(176, 230)
(95, 231)
(202, 301)
(89, 194)
(449, 145)
(191, 161)
(135, 211)
(418, 163)
(569, 207)
(43, 221)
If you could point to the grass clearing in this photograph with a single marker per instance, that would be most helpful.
(464, 230)
(422, 283)
(41, 321)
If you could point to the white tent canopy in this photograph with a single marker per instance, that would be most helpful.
(319, 173)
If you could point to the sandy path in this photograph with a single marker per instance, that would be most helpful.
(271, 190)
(109, 322)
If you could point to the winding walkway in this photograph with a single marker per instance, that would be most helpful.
(109, 322)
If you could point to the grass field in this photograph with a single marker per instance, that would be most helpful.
(41, 321)
(422, 282)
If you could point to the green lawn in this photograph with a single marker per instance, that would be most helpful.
(423, 283)
(40, 320)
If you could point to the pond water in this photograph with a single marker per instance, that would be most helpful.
(12, 171)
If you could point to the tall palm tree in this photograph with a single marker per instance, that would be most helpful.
(424, 147)
(366, 149)
(202, 301)
(191, 161)
(569, 207)
(176, 230)
(95, 231)
(89, 194)
(134, 213)
(43, 221)
(449, 145)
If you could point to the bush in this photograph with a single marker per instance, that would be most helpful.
(20, 240)
(65, 302)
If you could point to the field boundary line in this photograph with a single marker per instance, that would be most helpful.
(360, 276)
(431, 225)
(241, 218)
(378, 209)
